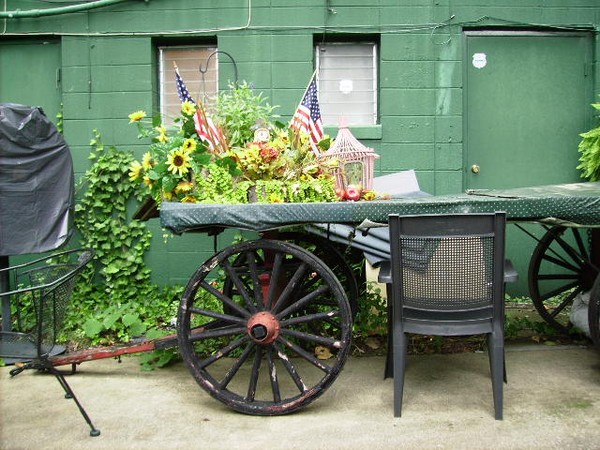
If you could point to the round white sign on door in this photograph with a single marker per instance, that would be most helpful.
(479, 60)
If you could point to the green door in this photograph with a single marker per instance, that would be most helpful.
(527, 98)
(30, 74)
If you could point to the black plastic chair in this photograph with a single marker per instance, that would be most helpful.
(41, 293)
(446, 278)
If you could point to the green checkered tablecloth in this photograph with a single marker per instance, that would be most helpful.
(575, 204)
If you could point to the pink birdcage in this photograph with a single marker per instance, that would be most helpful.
(356, 161)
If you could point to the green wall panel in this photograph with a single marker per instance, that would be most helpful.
(407, 129)
(416, 74)
(412, 102)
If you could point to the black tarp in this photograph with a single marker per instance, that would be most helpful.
(36, 182)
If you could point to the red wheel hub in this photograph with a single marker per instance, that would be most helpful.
(263, 327)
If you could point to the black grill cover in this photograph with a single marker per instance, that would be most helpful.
(36, 182)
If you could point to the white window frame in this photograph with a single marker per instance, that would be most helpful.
(325, 81)
(203, 87)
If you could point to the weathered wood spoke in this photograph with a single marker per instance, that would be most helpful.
(560, 269)
(251, 321)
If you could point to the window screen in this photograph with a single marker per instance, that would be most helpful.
(201, 86)
(348, 83)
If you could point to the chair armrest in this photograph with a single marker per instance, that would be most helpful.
(385, 272)
(510, 274)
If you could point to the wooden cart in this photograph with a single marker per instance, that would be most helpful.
(275, 313)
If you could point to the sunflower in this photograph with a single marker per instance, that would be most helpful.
(188, 108)
(135, 170)
(148, 161)
(189, 145)
(136, 116)
(178, 161)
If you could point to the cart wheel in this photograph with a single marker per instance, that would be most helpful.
(559, 270)
(275, 338)
(594, 313)
(323, 249)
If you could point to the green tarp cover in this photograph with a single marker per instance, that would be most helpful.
(570, 204)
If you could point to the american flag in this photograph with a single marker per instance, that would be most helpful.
(182, 90)
(205, 127)
(307, 117)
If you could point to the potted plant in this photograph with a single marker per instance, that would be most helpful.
(246, 156)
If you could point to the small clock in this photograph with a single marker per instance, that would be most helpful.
(262, 134)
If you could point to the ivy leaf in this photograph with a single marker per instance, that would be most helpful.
(92, 327)
(129, 319)
(136, 328)
(110, 320)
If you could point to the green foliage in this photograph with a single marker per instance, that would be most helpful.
(371, 318)
(589, 147)
(239, 110)
(117, 301)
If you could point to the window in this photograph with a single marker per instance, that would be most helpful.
(197, 71)
(347, 83)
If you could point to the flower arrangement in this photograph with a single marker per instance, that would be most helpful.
(227, 165)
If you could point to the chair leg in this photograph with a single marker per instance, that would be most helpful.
(71, 395)
(389, 359)
(400, 351)
(497, 369)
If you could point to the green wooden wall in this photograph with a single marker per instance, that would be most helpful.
(109, 69)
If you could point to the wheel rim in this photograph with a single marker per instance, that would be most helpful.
(560, 269)
(332, 257)
(253, 340)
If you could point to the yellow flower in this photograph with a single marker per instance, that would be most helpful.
(275, 198)
(189, 145)
(188, 108)
(136, 116)
(148, 161)
(188, 199)
(162, 133)
(135, 170)
(184, 186)
(167, 195)
(179, 162)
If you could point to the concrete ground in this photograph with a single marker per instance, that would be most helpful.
(552, 401)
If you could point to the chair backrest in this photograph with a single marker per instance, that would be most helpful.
(448, 268)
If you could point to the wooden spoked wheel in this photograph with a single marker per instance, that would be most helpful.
(264, 327)
(559, 270)
(327, 252)
(594, 313)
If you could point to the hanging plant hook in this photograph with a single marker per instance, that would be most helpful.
(205, 69)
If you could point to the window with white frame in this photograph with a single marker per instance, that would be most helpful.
(347, 82)
(197, 68)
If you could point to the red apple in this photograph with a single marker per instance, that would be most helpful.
(353, 193)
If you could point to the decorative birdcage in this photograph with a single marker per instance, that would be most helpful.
(356, 161)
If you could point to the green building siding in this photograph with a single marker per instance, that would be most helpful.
(109, 69)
